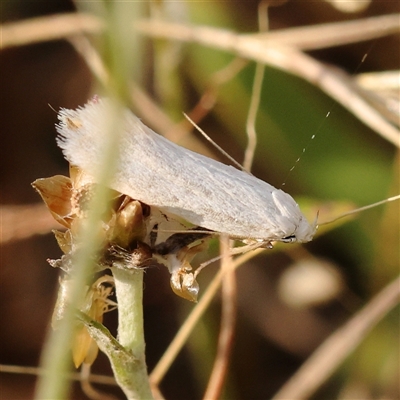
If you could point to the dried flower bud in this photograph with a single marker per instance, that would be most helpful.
(95, 305)
(56, 192)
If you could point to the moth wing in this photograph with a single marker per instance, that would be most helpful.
(160, 173)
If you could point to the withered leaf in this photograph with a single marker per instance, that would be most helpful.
(56, 192)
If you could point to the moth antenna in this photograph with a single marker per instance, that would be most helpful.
(219, 148)
(362, 209)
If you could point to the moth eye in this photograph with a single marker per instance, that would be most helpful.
(289, 239)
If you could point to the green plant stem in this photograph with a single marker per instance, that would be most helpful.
(130, 372)
(121, 55)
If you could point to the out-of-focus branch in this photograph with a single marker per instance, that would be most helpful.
(76, 376)
(289, 59)
(22, 221)
(280, 49)
(59, 26)
(334, 34)
(228, 320)
(319, 367)
(186, 329)
(53, 27)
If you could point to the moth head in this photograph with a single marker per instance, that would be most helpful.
(304, 232)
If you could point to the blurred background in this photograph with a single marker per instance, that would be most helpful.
(290, 299)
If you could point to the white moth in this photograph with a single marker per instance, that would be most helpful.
(202, 191)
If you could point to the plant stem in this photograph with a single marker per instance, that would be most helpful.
(130, 373)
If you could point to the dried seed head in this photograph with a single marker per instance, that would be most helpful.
(95, 305)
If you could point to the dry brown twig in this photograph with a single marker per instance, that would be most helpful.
(76, 376)
(207, 101)
(229, 285)
(382, 90)
(146, 106)
(187, 327)
(282, 50)
(228, 320)
(88, 388)
(53, 27)
(22, 221)
(319, 367)
(334, 34)
(59, 26)
(289, 59)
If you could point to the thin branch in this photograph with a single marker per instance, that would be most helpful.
(333, 34)
(384, 80)
(272, 52)
(75, 376)
(209, 97)
(320, 366)
(186, 329)
(145, 105)
(87, 387)
(382, 89)
(228, 320)
(59, 26)
(263, 24)
(251, 117)
(53, 27)
(218, 147)
(207, 100)
(22, 221)
(288, 59)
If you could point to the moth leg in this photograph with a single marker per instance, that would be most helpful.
(183, 282)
